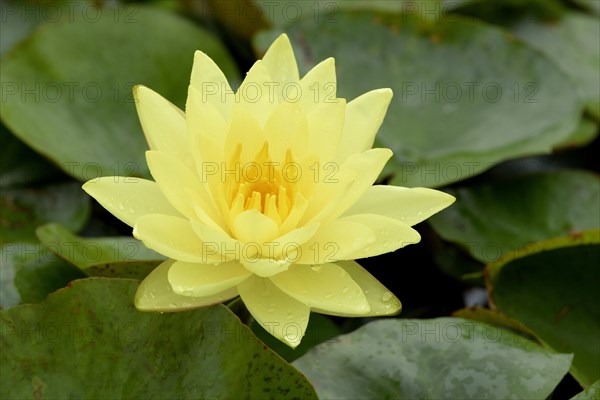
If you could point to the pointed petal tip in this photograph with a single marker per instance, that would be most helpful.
(386, 91)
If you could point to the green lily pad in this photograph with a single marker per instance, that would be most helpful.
(584, 134)
(466, 95)
(30, 271)
(591, 393)
(495, 218)
(123, 257)
(492, 317)
(572, 43)
(444, 358)
(88, 341)
(552, 289)
(68, 89)
(19, 17)
(19, 165)
(23, 210)
(591, 5)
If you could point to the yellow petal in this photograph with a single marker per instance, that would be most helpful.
(319, 85)
(367, 165)
(326, 123)
(163, 124)
(220, 242)
(295, 214)
(257, 92)
(253, 227)
(410, 206)
(264, 267)
(203, 120)
(381, 300)
(129, 198)
(175, 181)
(244, 130)
(287, 246)
(212, 84)
(325, 286)
(279, 314)
(345, 186)
(364, 116)
(280, 61)
(174, 238)
(200, 280)
(390, 235)
(336, 240)
(155, 294)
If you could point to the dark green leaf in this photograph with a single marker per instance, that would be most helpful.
(447, 358)
(88, 341)
(495, 218)
(23, 210)
(123, 257)
(19, 165)
(572, 43)
(68, 89)
(552, 288)
(30, 271)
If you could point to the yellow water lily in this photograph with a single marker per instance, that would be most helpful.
(266, 193)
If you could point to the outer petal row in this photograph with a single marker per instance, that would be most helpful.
(410, 206)
(280, 304)
(129, 199)
(155, 293)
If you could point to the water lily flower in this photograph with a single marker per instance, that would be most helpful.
(266, 193)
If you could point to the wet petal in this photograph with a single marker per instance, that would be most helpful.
(409, 205)
(390, 235)
(174, 238)
(326, 286)
(265, 267)
(336, 240)
(129, 198)
(381, 300)
(200, 280)
(278, 313)
(155, 294)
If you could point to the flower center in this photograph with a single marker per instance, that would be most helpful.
(260, 184)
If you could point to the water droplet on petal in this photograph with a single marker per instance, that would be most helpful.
(345, 289)
(121, 206)
(328, 295)
(387, 296)
(316, 268)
